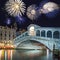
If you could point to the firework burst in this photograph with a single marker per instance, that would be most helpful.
(49, 7)
(32, 12)
(15, 7)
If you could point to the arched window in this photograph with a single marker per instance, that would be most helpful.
(56, 34)
(37, 33)
(43, 33)
(49, 34)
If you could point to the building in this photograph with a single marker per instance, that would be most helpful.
(7, 34)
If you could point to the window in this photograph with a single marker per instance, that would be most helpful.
(37, 33)
(49, 34)
(43, 33)
(56, 34)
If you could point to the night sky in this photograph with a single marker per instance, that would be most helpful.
(42, 20)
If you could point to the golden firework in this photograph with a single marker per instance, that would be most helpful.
(15, 7)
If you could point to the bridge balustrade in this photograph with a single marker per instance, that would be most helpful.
(25, 35)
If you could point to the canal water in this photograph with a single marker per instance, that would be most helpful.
(26, 55)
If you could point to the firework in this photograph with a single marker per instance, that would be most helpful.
(15, 7)
(32, 12)
(49, 7)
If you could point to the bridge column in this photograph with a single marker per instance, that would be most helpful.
(46, 34)
(52, 34)
(51, 46)
(56, 46)
(40, 33)
(59, 34)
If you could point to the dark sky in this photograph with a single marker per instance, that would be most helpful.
(43, 20)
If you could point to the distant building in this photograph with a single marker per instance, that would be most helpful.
(21, 31)
(7, 34)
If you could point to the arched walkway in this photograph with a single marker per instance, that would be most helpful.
(37, 33)
(42, 33)
(56, 34)
(49, 34)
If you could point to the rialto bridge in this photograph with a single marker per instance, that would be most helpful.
(48, 36)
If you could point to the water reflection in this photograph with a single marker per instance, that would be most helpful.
(1, 54)
(6, 54)
(25, 55)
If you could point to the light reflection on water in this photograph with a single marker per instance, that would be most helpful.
(6, 54)
(25, 55)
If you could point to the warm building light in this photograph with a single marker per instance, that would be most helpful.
(32, 31)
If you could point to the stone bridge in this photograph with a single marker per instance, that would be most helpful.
(48, 36)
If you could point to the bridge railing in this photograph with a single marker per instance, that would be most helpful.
(29, 38)
(25, 36)
(22, 39)
(20, 36)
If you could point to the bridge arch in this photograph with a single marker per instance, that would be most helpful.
(35, 41)
(49, 34)
(56, 34)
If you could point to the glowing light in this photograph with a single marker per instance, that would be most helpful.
(32, 31)
(12, 46)
(32, 28)
(49, 7)
(15, 7)
(32, 12)
(0, 54)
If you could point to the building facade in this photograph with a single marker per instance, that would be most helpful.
(7, 34)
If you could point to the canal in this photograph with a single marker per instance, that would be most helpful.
(26, 55)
